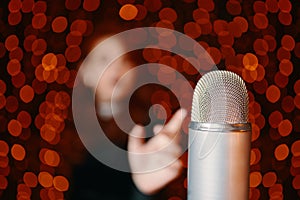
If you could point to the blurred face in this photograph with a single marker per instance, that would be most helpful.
(112, 85)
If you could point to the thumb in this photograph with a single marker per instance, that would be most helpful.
(136, 138)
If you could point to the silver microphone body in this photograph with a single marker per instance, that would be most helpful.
(218, 165)
(219, 139)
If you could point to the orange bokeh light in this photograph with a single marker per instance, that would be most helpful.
(12, 104)
(14, 127)
(79, 25)
(72, 4)
(260, 7)
(261, 47)
(39, 7)
(286, 67)
(27, 6)
(26, 93)
(39, 21)
(49, 61)
(13, 67)
(168, 14)
(18, 152)
(48, 132)
(201, 16)
(30, 179)
(51, 158)
(233, 7)
(220, 26)
(250, 61)
(14, 18)
(208, 5)
(288, 104)
(281, 152)
(295, 148)
(285, 18)
(243, 23)
(55, 194)
(275, 118)
(128, 12)
(11, 42)
(272, 6)
(59, 24)
(215, 54)
(61, 183)
(271, 42)
(255, 179)
(282, 53)
(296, 182)
(45, 179)
(91, 5)
(73, 53)
(281, 80)
(260, 21)
(39, 46)
(3, 182)
(297, 87)
(17, 54)
(255, 132)
(192, 29)
(288, 42)
(269, 179)
(24, 118)
(4, 148)
(74, 38)
(142, 12)
(273, 93)
(285, 127)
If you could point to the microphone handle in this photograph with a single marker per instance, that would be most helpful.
(219, 161)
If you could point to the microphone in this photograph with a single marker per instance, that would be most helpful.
(219, 138)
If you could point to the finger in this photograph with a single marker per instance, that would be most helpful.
(174, 169)
(165, 144)
(174, 125)
(176, 166)
(136, 138)
(157, 128)
(173, 150)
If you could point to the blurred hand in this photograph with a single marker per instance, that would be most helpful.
(155, 163)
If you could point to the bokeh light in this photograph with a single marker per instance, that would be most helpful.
(26, 93)
(255, 179)
(128, 12)
(30, 179)
(59, 24)
(273, 93)
(18, 152)
(4, 148)
(14, 127)
(61, 183)
(91, 5)
(269, 179)
(281, 152)
(45, 179)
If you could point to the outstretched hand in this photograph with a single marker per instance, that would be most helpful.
(155, 163)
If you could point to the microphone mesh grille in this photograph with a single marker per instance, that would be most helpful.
(220, 97)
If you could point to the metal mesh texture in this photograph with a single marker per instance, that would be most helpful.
(220, 97)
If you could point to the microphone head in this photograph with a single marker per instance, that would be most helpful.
(220, 97)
